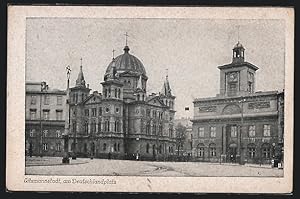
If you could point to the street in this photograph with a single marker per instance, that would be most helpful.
(104, 167)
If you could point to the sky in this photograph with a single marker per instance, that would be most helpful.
(191, 50)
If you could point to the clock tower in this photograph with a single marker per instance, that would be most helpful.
(238, 77)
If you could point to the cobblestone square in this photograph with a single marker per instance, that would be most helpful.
(105, 167)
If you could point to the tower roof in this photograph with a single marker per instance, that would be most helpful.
(238, 45)
(166, 89)
(80, 82)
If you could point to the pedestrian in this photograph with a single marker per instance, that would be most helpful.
(137, 156)
(109, 155)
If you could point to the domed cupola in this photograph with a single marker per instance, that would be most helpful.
(126, 63)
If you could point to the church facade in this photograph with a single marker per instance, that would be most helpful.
(122, 122)
(238, 124)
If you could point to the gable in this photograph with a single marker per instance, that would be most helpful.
(156, 102)
(92, 99)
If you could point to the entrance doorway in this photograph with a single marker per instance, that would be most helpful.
(153, 151)
(232, 152)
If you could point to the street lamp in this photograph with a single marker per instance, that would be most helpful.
(67, 121)
(241, 131)
(44, 87)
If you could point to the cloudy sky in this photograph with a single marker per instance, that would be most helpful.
(191, 50)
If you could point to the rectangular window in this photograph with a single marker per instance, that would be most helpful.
(267, 130)
(201, 132)
(47, 100)
(233, 131)
(58, 133)
(213, 152)
(46, 114)
(74, 126)
(59, 114)
(266, 152)
(45, 133)
(45, 146)
(213, 131)
(100, 111)
(251, 152)
(86, 112)
(58, 147)
(33, 99)
(94, 112)
(59, 100)
(32, 114)
(32, 133)
(200, 152)
(252, 131)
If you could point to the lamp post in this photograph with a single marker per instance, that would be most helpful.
(241, 160)
(44, 87)
(67, 121)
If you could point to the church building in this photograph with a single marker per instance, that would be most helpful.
(239, 124)
(122, 122)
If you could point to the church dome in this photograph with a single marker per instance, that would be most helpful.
(238, 45)
(126, 63)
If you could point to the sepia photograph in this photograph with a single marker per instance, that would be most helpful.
(154, 97)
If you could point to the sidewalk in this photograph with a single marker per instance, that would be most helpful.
(51, 161)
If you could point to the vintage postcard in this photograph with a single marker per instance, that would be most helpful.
(150, 99)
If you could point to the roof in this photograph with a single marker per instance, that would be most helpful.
(126, 62)
(238, 64)
(256, 94)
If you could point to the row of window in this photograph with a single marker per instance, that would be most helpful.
(108, 92)
(159, 149)
(45, 147)
(107, 126)
(251, 151)
(155, 127)
(59, 98)
(75, 97)
(93, 112)
(233, 131)
(46, 114)
(115, 148)
(33, 133)
(155, 114)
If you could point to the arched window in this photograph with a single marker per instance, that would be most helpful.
(148, 128)
(93, 125)
(106, 125)
(154, 129)
(117, 126)
(160, 130)
(266, 150)
(212, 150)
(116, 92)
(85, 148)
(109, 92)
(138, 97)
(86, 127)
(99, 126)
(147, 148)
(200, 150)
(115, 147)
(104, 147)
(251, 151)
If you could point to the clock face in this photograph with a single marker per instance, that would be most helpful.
(232, 77)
